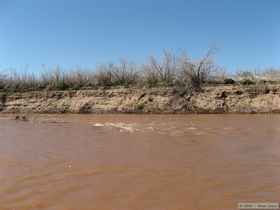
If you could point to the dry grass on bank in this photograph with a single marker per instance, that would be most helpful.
(171, 70)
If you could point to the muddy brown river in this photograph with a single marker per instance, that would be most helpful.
(138, 162)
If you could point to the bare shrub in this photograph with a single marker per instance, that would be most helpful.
(196, 73)
(122, 74)
(218, 76)
(14, 81)
(2, 81)
(161, 72)
(125, 74)
(79, 79)
(271, 75)
(54, 79)
(246, 75)
(172, 70)
(104, 75)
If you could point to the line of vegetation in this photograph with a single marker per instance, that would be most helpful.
(170, 71)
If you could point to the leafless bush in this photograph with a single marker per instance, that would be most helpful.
(104, 75)
(246, 75)
(177, 70)
(218, 75)
(161, 72)
(19, 81)
(79, 79)
(271, 74)
(54, 79)
(125, 74)
(196, 73)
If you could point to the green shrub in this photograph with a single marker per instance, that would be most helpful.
(229, 81)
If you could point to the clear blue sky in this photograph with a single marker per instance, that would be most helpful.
(89, 32)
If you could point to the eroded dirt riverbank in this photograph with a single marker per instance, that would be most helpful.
(218, 99)
(108, 162)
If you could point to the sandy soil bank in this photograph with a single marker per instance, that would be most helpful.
(219, 99)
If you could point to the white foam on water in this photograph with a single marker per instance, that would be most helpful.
(124, 127)
(192, 128)
(98, 125)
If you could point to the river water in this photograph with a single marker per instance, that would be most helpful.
(138, 162)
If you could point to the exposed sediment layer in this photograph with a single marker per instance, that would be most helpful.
(219, 99)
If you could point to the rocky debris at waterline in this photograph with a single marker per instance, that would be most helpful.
(218, 99)
(21, 118)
